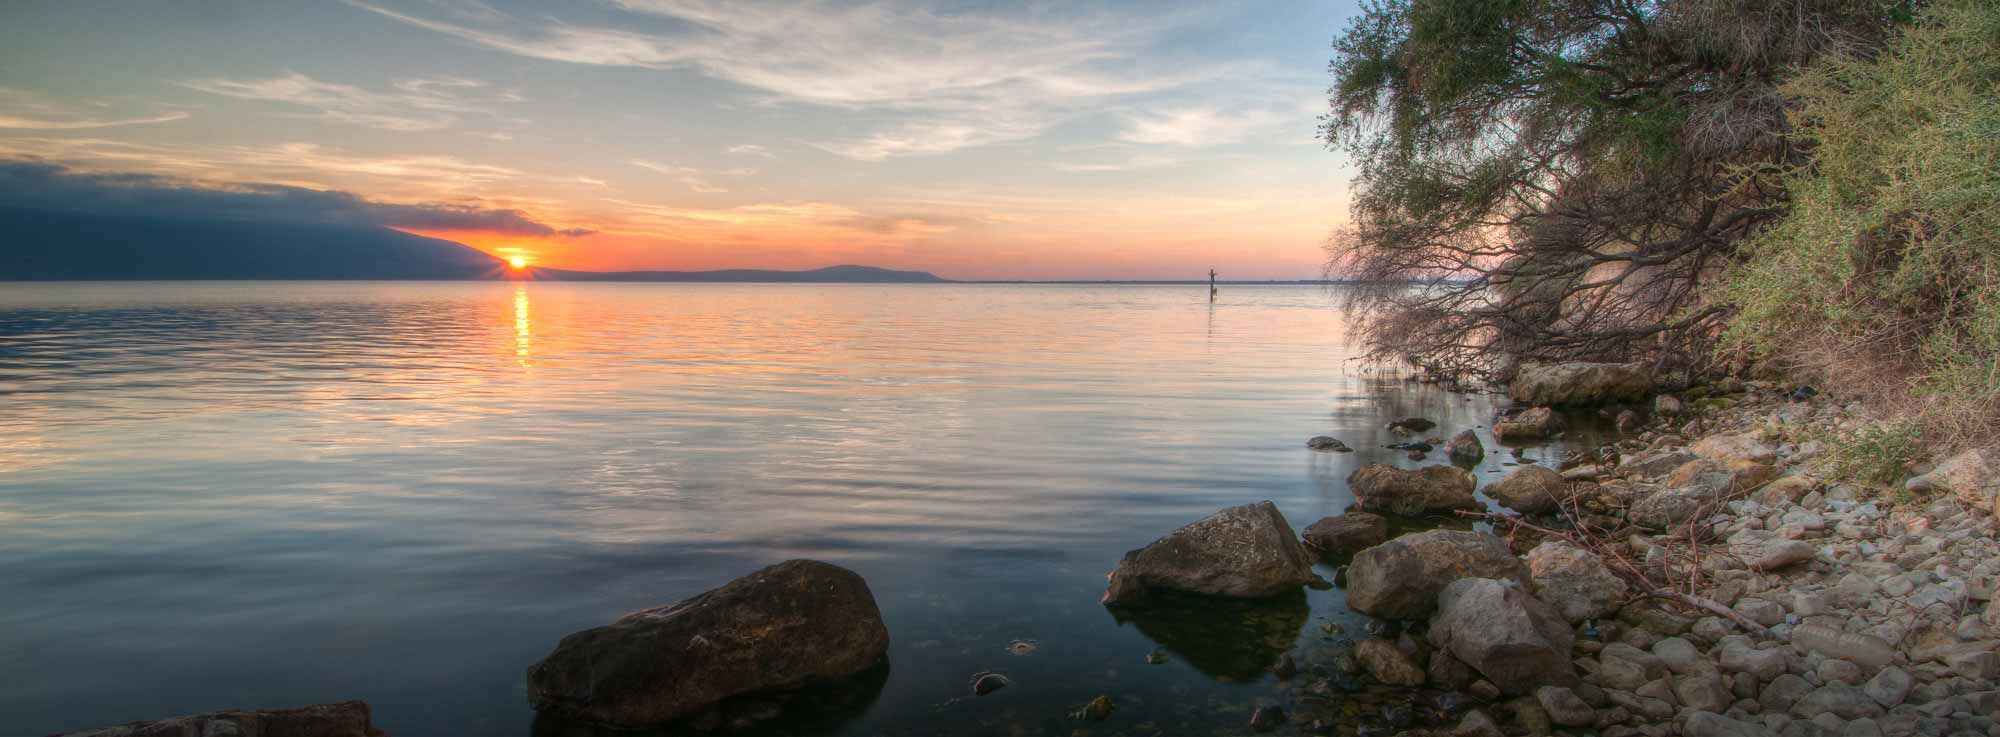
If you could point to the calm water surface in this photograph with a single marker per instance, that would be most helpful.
(271, 494)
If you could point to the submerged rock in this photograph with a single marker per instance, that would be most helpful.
(1530, 490)
(1412, 424)
(1538, 423)
(790, 625)
(1242, 552)
(1580, 383)
(342, 719)
(1328, 444)
(1380, 488)
(1347, 534)
(1387, 663)
(1400, 579)
(1511, 638)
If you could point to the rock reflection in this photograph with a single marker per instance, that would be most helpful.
(1226, 639)
(817, 709)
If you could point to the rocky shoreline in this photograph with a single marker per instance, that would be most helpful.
(1704, 574)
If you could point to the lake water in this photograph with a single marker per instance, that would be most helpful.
(218, 495)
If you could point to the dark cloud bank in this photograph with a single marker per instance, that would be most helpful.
(41, 185)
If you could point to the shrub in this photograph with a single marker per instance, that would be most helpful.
(1883, 279)
(1877, 454)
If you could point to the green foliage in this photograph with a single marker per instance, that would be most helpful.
(1886, 269)
(1876, 455)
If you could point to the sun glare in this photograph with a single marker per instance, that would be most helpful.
(518, 262)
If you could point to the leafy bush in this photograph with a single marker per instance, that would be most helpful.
(1883, 278)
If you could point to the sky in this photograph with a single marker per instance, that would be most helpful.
(1131, 140)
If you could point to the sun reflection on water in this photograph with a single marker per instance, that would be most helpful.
(522, 330)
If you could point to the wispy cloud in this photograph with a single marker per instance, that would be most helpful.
(687, 175)
(1199, 126)
(953, 79)
(424, 104)
(750, 149)
(22, 110)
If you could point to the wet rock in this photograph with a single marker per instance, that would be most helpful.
(1381, 488)
(787, 626)
(1388, 664)
(1242, 552)
(1465, 449)
(1574, 581)
(1511, 638)
(1286, 667)
(1096, 711)
(1447, 672)
(1412, 424)
(986, 683)
(1227, 639)
(1327, 444)
(1580, 383)
(1267, 718)
(342, 719)
(1530, 490)
(1339, 537)
(1401, 579)
(1527, 426)
(1564, 707)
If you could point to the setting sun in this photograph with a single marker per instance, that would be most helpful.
(518, 262)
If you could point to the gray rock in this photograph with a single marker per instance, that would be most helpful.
(1347, 534)
(1711, 724)
(1243, 552)
(1511, 638)
(1327, 444)
(1835, 670)
(1869, 651)
(1574, 581)
(786, 626)
(1580, 383)
(1782, 692)
(1477, 724)
(1726, 449)
(1679, 655)
(1564, 707)
(1527, 426)
(1762, 611)
(1889, 687)
(1703, 691)
(1764, 551)
(1401, 579)
(1668, 508)
(342, 719)
(1838, 699)
(1530, 490)
(1657, 464)
(1740, 657)
(1388, 663)
(1972, 477)
(1382, 488)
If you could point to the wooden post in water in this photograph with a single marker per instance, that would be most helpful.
(1211, 285)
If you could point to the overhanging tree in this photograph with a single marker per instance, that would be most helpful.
(1560, 178)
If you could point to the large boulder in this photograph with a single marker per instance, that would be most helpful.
(1580, 383)
(343, 719)
(1381, 488)
(1245, 552)
(1513, 639)
(781, 628)
(1530, 490)
(1529, 425)
(1973, 477)
(1400, 579)
(1347, 534)
(1574, 581)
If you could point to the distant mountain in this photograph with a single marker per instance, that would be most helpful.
(40, 245)
(46, 245)
(867, 274)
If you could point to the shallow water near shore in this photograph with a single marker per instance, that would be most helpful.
(245, 495)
